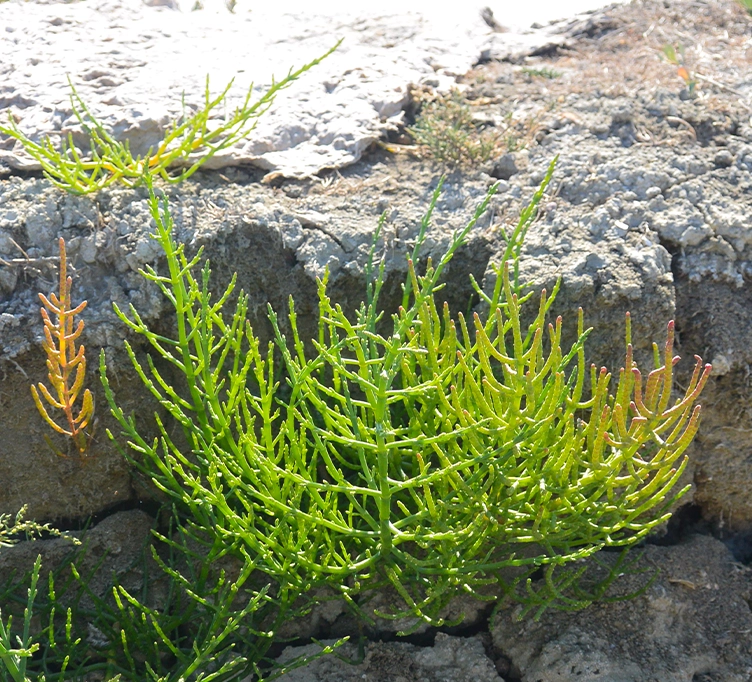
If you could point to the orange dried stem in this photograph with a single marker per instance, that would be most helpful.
(66, 364)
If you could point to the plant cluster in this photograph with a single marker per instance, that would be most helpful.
(426, 459)
(187, 619)
(544, 72)
(193, 617)
(428, 453)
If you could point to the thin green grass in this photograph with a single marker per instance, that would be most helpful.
(445, 129)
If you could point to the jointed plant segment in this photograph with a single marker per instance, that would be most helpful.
(426, 459)
(66, 365)
(187, 144)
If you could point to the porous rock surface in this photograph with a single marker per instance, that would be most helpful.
(693, 623)
(450, 659)
(130, 61)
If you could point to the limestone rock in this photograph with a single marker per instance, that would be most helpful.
(693, 623)
(450, 659)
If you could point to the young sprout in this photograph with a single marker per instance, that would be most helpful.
(675, 55)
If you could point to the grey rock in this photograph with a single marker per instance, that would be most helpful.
(692, 623)
(509, 165)
(118, 542)
(133, 80)
(723, 158)
(450, 659)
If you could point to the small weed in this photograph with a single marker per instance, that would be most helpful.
(447, 132)
(675, 55)
(545, 72)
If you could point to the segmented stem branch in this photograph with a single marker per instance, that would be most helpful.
(66, 364)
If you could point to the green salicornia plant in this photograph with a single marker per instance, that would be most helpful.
(192, 615)
(187, 144)
(16, 651)
(14, 659)
(434, 459)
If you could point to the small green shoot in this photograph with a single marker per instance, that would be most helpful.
(545, 72)
(676, 56)
(14, 659)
